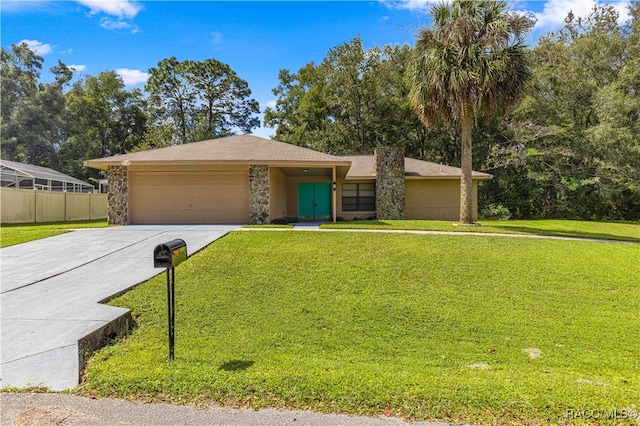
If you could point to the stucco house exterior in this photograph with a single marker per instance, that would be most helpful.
(248, 179)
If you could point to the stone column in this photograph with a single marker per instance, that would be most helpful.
(389, 169)
(117, 197)
(258, 194)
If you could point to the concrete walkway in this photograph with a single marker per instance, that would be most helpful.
(51, 291)
(304, 226)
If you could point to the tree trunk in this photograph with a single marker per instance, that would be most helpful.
(183, 122)
(466, 184)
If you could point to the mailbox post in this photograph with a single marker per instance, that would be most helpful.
(169, 255)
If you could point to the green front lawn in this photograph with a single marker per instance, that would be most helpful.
(458, 328)
(11, 234)
(628, 231)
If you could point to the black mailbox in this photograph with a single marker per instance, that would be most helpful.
(170, 255)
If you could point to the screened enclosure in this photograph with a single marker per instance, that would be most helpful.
(27, 176)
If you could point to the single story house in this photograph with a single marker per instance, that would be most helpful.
(248, 179)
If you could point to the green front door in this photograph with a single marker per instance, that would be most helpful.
(314, 200)
(323, 201)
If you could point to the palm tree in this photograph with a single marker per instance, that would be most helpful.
(471, 64)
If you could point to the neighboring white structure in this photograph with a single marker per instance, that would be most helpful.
(27, 176)
(103, 186)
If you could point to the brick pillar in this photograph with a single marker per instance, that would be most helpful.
(117, 197)
(389, 168)
(258, 194)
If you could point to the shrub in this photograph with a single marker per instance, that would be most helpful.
(495, 211)
(285, 220)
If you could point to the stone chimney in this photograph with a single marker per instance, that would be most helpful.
(118, 195)
(389, 169)
(259, 191)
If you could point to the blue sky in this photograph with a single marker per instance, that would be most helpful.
(256, 39)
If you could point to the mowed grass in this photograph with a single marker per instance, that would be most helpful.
(624, 231)
(11, 234)
(485, 330)
(269, 225)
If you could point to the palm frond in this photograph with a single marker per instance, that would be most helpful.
(473, 55)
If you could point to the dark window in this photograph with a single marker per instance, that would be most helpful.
(26, 183)
(358, 197)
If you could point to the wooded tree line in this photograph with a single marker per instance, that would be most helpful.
(571, 148)
(59, 124)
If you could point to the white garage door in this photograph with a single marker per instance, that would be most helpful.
(189, 197)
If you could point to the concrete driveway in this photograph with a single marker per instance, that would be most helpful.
(51, 291)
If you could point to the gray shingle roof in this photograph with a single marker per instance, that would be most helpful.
(248, 149)
(363, 167)
(241, 149)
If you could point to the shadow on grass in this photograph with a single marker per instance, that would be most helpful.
(575, 234)
(367, 222)
(236, 365)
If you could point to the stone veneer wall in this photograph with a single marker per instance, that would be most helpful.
(117, 197)
(389, 168)
(258, 194)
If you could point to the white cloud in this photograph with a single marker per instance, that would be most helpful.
(623, 9)
(416, 5)
(554, 12)
(407, 4)
(271, 104)
(111, 25)
(552, 16)
(27, 6)
(78, 68)
(37, 47)
(132, 77)
(108, 24)
(216, 37)
(120, 8)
